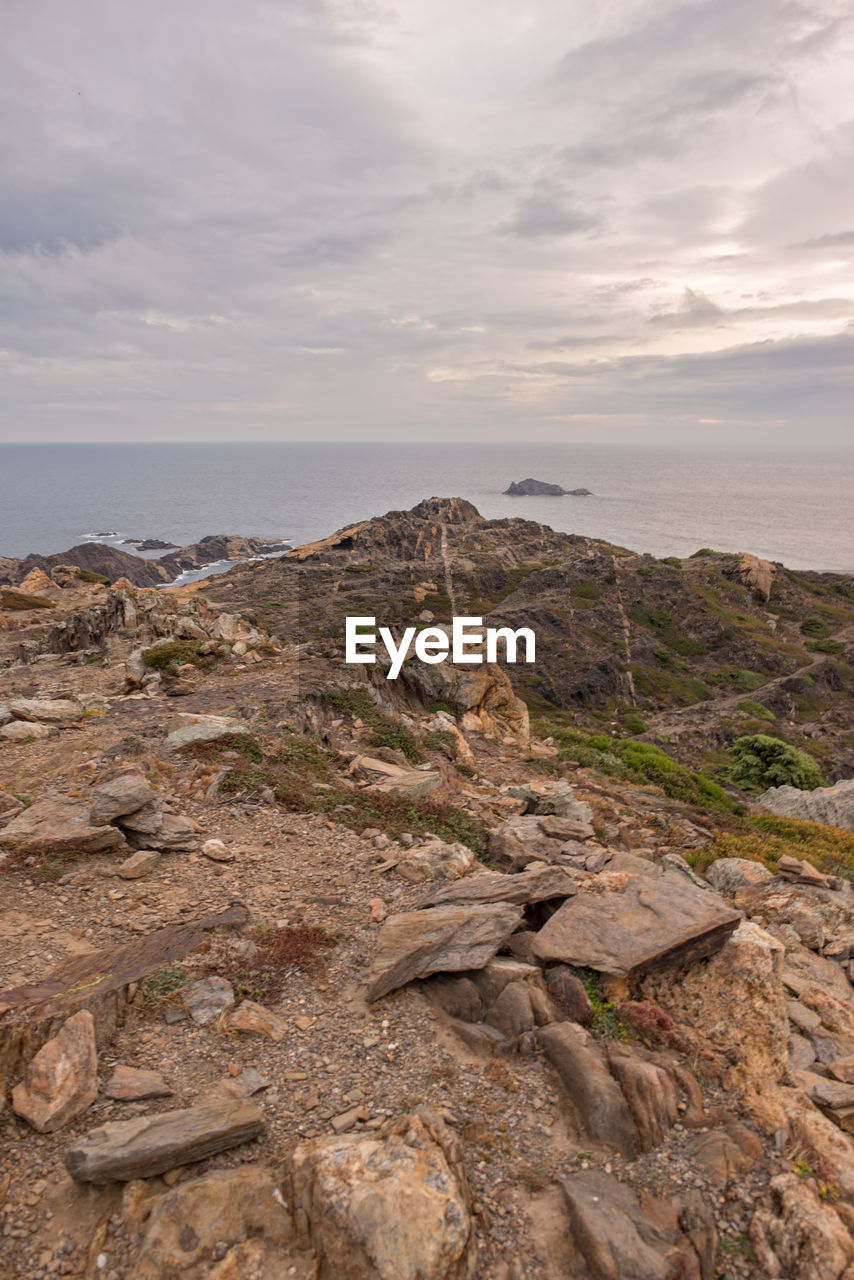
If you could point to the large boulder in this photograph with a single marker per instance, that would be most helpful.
(61, 1081)
(449, 939)
(394, 1206)
(634, 924)
(119, 797)
(196, 1220)
(59, 826)
(833, 806)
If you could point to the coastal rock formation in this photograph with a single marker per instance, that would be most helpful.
(542, 489)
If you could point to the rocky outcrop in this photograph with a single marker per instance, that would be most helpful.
(737, 998)
(61, 827)
(622, 1239)
(757, 575)
(833, 806)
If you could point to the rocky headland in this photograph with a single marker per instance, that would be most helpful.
(284, 948)
(109, 562)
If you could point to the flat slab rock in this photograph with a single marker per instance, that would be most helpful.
(638, 924)
(59, 825)
(537, 884)
(148, 1145)
(446, 939)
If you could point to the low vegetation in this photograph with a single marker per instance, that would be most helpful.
(765, 837)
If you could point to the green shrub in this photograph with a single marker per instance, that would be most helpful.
(815, 627)
(825, 646)
(173, 654)
(585, 590)
(673, 561)
(759, 762)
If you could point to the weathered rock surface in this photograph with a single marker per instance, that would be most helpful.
(148, 1145)
(203, 729)
(26, 731)
(59, 826)
(415, 944)
(436, 860)
(737, 999)
(833, 806)
(353, 1187)
(252, 1017)
(139, 864)
(799, 1237)
(622, 1239)
(194, 1222)
(61, 1081)
(727, 875)
(638, 924)
(592, 1089)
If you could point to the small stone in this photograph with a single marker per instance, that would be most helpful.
(138, 864)
(206, 999)
(254, 1018)
(129, 1084)
(217, 851)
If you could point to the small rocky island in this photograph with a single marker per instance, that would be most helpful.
(541, 489)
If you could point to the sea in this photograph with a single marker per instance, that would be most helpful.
(792, 506)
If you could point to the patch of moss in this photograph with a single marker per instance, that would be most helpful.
(173, 654)
(756, 709)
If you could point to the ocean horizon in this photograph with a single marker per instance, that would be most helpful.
(792, 506)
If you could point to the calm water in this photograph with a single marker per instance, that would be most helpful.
(790, 507)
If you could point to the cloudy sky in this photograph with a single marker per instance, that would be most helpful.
(416, 219)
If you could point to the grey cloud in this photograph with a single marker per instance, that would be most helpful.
(302, 215)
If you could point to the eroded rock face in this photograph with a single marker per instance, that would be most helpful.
(799, 1236)
(592, 1089)
(61, 1082)
(350, 1188)
(637, 924)
(60, 826)
(449, 939)
(737, 999)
